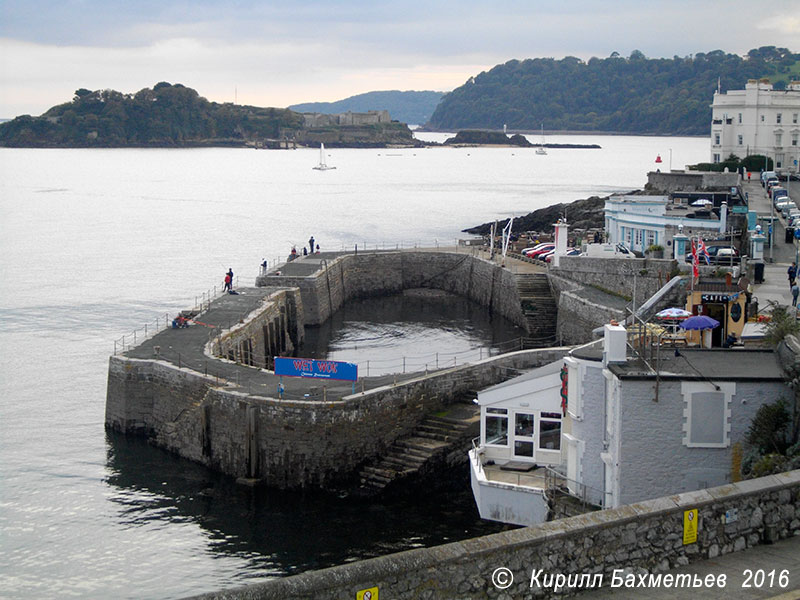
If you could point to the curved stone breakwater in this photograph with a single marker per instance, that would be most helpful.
(205, 392)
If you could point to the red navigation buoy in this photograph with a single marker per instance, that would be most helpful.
(658, 158)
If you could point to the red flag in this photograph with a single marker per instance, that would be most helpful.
(695, 262)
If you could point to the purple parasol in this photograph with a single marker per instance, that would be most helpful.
(699, 322)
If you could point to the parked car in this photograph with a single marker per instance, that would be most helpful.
(570, 252)
(777, 191)
(782, 197)
(543, 250)
(718, 255)
(784, 204)
(527, 251)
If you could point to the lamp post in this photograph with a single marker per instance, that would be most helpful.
(670, 160)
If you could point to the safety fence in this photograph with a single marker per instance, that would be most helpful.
(246, 371)
(202, 302)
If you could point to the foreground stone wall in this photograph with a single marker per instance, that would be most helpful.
(644, 539)
(381, 273)
(287, 443)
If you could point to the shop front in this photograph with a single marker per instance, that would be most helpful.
(721, 301)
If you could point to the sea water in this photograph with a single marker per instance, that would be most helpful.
(95, 243)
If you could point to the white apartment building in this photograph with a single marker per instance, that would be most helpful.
(758, 120)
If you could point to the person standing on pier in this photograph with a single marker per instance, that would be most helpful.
(227, 283)
(230, 274)
(311, 245)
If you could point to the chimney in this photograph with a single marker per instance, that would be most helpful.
(615, 339)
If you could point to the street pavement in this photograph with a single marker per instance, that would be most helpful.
(777, 256)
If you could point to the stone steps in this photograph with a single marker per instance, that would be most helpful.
(539, 308)
(408, 455)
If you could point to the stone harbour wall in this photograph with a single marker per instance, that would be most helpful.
(381, 273)
(616, 275)
(286, 443)
(276, 328)
(643, 539)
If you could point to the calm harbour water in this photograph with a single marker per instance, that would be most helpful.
(94, 243)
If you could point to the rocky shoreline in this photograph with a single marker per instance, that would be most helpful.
(581, 214)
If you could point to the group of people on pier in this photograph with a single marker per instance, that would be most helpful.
(312, 249)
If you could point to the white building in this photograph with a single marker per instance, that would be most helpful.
(520, 436)
(631, 430)
(633, 433)
(758, 120)
(639, 222)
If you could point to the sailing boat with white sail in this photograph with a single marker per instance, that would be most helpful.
(322, 166)
(540, 149)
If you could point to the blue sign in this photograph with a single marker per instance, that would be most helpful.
(316, 369)
(797, 234)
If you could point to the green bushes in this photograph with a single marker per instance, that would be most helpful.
(754, 162)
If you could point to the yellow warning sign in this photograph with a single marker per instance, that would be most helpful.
(368, 594)
(690, 526)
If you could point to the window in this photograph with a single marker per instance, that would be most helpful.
(794, 118)
(716, 139)
(794, 139)
(574, 392)
(778, 118)
(651, 237)
(707, 414)
(762, 118)
(741, 140)
(778, 138)
(716, 158)
(638, 242)
(496, 423)
(550, 431)
(740, 118)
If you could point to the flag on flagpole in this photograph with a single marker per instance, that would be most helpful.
(695, 261)
(701, 249)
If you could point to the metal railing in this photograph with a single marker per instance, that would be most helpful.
(555, 480)
(137, 336)
(476, 447)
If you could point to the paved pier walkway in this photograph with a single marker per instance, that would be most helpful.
(776, 284)
(185, 347)
(779, 556)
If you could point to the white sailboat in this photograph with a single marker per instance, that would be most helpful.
(322, 166)
(540, 149)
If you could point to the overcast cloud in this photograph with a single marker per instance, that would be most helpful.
(282, 53)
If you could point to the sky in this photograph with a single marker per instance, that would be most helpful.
(268, 53)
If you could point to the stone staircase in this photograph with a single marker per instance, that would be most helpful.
(432, 441)
(539, 308)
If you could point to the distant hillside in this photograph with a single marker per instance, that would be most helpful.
(175, 115)
(616, 94)
(415, 108)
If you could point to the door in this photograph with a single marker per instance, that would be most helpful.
(524, 435)
(717, 311)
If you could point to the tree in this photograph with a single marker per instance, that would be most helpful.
(80, 93)
(769, 430)
(782, 323)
